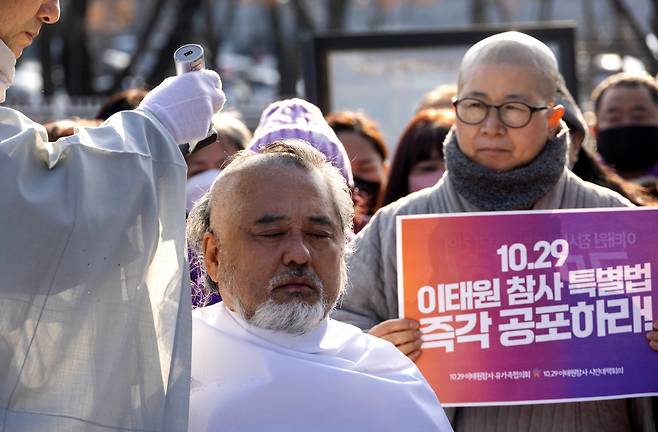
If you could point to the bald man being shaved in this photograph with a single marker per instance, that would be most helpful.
(507, 151)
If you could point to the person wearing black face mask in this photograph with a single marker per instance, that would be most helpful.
(626, 108)
(613, 147)
(583, 161)
(368, 155)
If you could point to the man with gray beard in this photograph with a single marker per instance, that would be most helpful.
(272, 231)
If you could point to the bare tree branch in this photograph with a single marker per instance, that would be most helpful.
(46, 59)
(76, 57)
(337, 11)
(545, 10)
(181, 33)
(654, 18)
(211, 35)
(478, 11)
(142, 44)
(304, 18)
(622, 9)
(591, 39)
(285, 62)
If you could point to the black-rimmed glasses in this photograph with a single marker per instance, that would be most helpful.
(512, 114)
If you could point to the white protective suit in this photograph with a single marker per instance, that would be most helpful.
(94, 295)
(95, 322)
(333, 378)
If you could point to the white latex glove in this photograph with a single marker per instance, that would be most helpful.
(185, 104)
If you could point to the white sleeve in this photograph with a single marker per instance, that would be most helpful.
(94, 300)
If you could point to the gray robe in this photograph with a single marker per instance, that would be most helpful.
(372, 298)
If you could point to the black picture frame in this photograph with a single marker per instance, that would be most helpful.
(321, 84)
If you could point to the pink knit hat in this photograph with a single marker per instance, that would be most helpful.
(297, 118)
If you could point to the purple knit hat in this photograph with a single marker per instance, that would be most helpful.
(296, 118)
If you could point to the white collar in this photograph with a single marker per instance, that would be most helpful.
(309, 342)
(7, 69)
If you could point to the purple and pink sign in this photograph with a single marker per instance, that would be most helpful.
(532, 307)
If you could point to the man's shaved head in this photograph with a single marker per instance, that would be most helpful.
(516, 49)
(284, 154)
(281, 156)
(249, 174)
(273, 232)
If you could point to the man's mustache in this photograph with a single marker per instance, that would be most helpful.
(298, 275)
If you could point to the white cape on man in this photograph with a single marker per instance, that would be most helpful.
(94, 335)
(333, 378)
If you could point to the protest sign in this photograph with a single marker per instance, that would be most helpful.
(532, 307)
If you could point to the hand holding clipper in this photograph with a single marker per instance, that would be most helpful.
(186, 103)
(190, 58)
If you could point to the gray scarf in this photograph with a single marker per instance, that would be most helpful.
(517, 189)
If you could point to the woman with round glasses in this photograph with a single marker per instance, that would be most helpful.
(507, 151)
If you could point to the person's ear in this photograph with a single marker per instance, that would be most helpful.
(554, 117)
(211, 255)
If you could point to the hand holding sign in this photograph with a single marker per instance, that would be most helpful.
(652, 336)
(403, 333)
